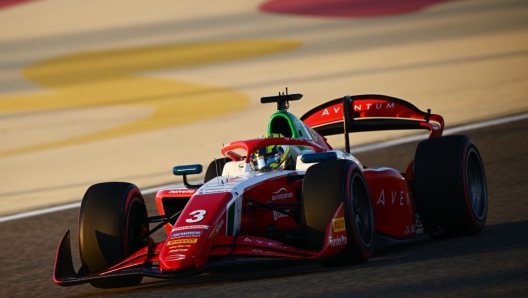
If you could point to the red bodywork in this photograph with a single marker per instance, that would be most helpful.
(225, 221)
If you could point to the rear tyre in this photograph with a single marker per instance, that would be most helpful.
(450, 186)
(110, 229)
(327, 185)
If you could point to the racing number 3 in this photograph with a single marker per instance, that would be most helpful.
(198, 215)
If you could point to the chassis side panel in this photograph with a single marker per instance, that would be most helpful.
(392, 201)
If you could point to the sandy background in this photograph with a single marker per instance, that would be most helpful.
(465, 60)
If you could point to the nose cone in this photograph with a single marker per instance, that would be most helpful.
(204, 217)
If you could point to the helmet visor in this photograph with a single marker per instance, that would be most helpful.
(270, 158)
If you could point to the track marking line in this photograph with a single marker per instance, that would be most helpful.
(358, 149)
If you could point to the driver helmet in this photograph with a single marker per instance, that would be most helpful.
(271, 158)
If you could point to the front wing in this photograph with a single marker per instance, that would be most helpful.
(228, 252)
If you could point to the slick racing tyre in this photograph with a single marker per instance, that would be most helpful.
(450, 186)
(327, 185)
(111, 228)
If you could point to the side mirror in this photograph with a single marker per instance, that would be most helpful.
(188, 170)
(318, 157)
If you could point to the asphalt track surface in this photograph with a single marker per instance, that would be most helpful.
(493, 263)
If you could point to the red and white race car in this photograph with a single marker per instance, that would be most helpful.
(287, 197)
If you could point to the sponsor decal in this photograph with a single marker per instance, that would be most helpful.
(360, 107)
(178, 250)
(335, 110)
(175, 257)
(339, 224)
(338, 241)
(180, 246)
(282, 189)
(216, 188)
(281, 194)
(182, 191)
(278, 195)
(258, 241)
(381, 199)
(195, 227)
(179, 241)
(186, 234)
(218, 226)
(402, 199)
(277, 215)
(260, 251)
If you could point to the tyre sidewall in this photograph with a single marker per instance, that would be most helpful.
(358, 247)
(476, 223)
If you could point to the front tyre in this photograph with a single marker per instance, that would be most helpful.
(450, 185)
(111, 228)
(326, 186)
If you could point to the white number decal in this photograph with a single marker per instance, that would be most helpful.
(198, 215)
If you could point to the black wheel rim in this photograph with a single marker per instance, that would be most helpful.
(476, 185)
(362, 211)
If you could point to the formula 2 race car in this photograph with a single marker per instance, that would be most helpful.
(283, 198)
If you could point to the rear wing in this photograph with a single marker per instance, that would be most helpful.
(370, 112)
